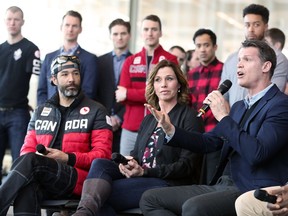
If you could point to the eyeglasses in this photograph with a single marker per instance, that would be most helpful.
(56, 64)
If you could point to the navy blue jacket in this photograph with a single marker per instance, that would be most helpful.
(258, 152)
(88, 70)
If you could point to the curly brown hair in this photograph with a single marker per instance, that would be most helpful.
(183, 93)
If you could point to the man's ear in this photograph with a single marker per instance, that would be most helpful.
(53, 80)
(266, 66)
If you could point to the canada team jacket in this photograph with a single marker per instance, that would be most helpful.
(86, 134)
(134, 75)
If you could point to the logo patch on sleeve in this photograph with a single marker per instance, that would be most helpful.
(108, 120)
(37, 54)
(46, 111)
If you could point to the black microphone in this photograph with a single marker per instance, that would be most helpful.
(118, 158)
(223, 88)
(41, 149)
(264, 196)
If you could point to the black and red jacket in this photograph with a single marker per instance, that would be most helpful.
(87, 135)
(134, 76)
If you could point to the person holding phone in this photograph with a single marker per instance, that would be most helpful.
(112, 187)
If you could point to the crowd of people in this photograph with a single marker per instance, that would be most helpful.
(144, 106)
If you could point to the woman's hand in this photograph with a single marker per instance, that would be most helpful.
(163, 120)
(132, 169)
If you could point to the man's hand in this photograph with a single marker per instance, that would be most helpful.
(121, 94)
(217, 104)
(281, 206)
(115, 123)
(163, 120)
(57, 155)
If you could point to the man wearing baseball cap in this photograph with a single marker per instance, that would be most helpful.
(70, 130)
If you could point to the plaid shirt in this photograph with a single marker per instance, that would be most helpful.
(203, 80)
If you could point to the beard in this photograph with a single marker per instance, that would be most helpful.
(70, 91)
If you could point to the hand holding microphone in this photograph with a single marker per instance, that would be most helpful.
(264, 196)
(53, 153)
(216, 97)
(41, 149)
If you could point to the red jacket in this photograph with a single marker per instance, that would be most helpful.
(134, 75)
(87, 135)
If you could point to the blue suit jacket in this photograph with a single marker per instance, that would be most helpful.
(88, 70)
(258, 152)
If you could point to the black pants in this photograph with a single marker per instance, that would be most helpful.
(31, 178)
(192, 200)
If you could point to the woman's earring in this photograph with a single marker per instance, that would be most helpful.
(179, 90)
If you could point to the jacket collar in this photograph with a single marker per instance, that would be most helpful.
(55, 100)
(263, 101)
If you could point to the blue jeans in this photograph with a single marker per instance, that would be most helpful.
(13, 128)
(32, 178)
(126, 192)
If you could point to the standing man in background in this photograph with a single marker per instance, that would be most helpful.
(206, 77)
(110, 65)
(135, 72)
(71, 27)
(256, 19)
(19, 60)
(275, 37)
(180, 53)
(202, 80)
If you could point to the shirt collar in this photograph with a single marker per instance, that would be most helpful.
(249, 101)
(70, 51)
(122, 54)
(210, 65)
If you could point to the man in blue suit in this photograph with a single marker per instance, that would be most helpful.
(71, 27)
(110, 65)
(253, 139)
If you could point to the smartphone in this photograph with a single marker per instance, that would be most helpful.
(118, 158)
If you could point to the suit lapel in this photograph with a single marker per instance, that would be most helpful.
(110, 69)
(263, 101)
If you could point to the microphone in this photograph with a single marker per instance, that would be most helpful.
(118, 158)
(41, 149)
(264, 196)
(223, 88)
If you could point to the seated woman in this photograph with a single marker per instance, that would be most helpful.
(110, 188)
